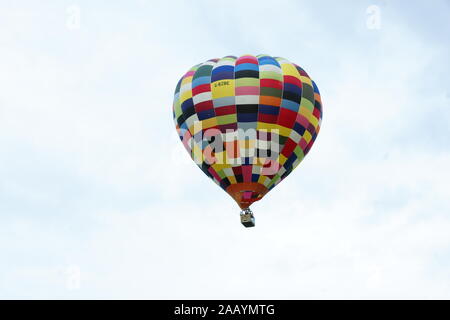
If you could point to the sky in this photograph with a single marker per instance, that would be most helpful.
(99, 199)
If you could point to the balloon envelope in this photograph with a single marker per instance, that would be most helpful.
(247, 122)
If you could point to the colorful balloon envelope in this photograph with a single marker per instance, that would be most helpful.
(247, 122)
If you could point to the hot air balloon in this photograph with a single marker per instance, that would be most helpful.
(247, 122)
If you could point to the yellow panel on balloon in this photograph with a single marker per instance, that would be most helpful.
(222, 88)
(290, 70)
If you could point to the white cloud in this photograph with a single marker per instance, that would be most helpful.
(93, 175)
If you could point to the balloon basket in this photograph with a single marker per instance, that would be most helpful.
(247, 218)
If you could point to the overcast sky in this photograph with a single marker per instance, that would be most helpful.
(99, 199)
